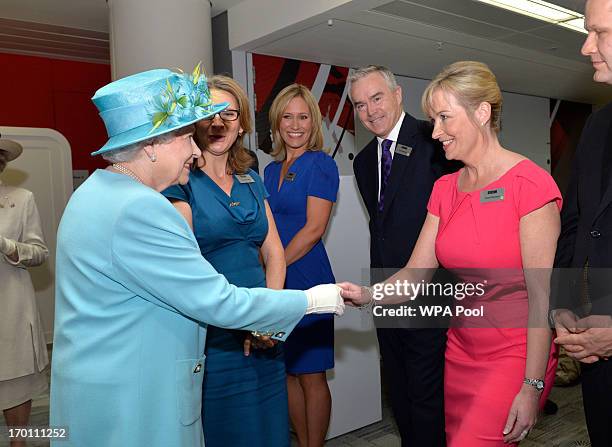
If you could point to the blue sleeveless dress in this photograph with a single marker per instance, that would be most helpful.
(244, 398)
(310, 346)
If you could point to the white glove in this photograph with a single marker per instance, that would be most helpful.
(7, 246)
(324, 299)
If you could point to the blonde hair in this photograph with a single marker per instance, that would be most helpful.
(280, 103)
(471, 83)
(239, 160)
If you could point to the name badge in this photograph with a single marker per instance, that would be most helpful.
(404, 150)
(492, 195)
(245, 178)
(290, 176)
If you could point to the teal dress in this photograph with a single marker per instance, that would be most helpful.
(244, 398)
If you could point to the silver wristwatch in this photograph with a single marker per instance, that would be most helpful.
(538, 384)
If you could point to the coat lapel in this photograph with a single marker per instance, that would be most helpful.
(372, 173)
(400, 165)
(606, 197)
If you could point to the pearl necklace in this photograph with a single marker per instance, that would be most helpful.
(122, 169)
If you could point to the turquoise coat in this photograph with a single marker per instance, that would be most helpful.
(133, 297)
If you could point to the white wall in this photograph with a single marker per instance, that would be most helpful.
(255, 21)
(526, 127)
(525, 123)
(355, 381)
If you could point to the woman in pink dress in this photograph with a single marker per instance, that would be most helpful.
(494, 221)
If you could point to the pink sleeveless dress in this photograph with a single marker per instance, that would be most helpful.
(486, 355)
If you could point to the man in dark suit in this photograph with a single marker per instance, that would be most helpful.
(584, 321)
(395, 174)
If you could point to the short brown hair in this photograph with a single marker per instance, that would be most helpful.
(276, 113)
(471, 83)
(239, 160)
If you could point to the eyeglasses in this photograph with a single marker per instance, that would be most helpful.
(226, 115)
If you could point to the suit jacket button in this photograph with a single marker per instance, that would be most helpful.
(595, 234)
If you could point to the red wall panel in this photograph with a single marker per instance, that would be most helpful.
(25, 83)
(44, 92)
(77, 119)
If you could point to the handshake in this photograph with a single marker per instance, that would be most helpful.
(330, 298)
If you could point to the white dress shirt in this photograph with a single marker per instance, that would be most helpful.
(393, 135)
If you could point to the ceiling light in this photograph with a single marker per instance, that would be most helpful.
(541, 10)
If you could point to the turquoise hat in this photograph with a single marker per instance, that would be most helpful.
(152, 103)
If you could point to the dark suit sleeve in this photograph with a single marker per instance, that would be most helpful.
(570, 214)
(566, 282)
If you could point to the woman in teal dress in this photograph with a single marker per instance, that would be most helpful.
(244, 390)
(303, 184)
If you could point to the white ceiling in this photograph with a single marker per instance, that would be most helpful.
(417, 38)
(413, 37)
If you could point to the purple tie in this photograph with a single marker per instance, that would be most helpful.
(385, 170)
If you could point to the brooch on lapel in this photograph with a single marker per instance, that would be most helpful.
(4, 203)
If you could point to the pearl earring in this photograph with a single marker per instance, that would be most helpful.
(153, 157)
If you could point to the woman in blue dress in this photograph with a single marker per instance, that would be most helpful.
(303, 184)
(225, 202)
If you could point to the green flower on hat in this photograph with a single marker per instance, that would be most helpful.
(188, 97)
